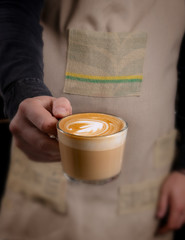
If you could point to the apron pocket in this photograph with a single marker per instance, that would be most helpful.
(104, 64)
(139, 197)
(165, 149)
(41, 182)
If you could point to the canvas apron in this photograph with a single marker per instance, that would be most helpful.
(116, 57)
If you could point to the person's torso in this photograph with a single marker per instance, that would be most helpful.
(117, 57)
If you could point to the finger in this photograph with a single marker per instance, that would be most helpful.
(26, 132)
(35, 155)
(39, 140)
(181, 220)
(35, 111)
(61, 107)
(162, 204)
(176, 213)
(174, 219)
(163, 230)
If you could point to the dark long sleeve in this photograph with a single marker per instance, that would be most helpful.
(21, 52)
(180, 109)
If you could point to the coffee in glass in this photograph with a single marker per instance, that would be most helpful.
(92, 146)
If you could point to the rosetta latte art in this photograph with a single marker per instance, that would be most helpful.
(89, 127)
(91, 124)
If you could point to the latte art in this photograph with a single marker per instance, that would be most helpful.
(88, 127)
(91, 124)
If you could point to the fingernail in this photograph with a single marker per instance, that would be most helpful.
(62, 111)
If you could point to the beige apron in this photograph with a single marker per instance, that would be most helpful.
(116, 57)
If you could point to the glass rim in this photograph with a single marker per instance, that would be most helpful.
(88, 137)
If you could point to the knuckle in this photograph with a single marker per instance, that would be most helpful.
(42, 126)
(45, 126)
(14, 128)
(23, 105)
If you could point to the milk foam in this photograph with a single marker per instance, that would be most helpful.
(91, 124)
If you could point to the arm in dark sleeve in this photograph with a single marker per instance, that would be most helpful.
(180, 109)
(21, 55)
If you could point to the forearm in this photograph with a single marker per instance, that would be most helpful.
(20, 90)
(21, 46)
(180, 110)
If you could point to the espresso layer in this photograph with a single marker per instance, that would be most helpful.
(91, 124)
(90, 165)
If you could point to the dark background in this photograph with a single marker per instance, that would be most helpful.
(5, 142)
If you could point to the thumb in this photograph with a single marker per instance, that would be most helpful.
(61, 107)
(162, 204)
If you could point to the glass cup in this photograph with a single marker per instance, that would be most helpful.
(87, 157)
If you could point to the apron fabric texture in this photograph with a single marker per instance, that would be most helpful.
(116, 57)
(104, 64)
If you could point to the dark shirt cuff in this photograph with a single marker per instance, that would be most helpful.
(179, 162)
(20, 90)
